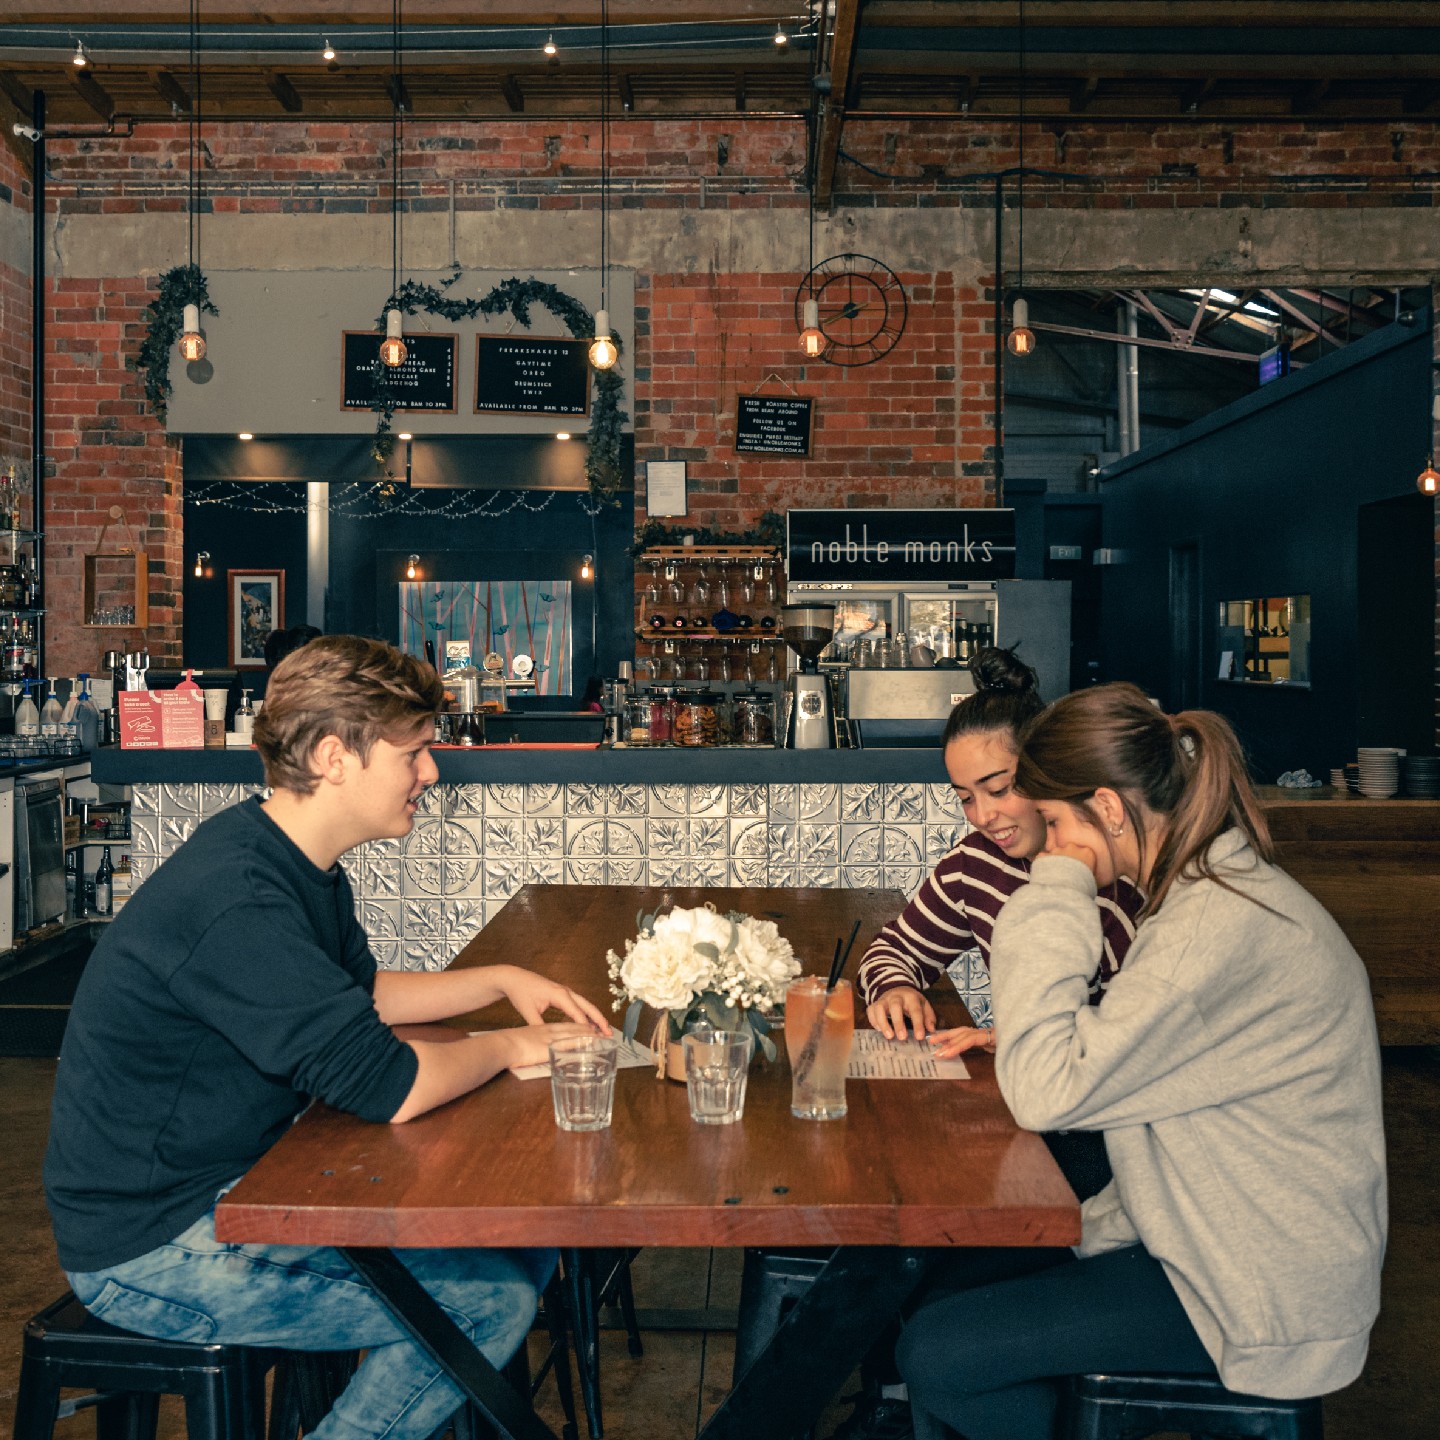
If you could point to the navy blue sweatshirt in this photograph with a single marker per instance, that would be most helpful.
(234, 987)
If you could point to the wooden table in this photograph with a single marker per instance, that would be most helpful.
(914, 1165)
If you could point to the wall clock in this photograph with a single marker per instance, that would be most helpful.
(862, 307)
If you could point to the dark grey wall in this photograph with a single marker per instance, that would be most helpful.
(1269, 492)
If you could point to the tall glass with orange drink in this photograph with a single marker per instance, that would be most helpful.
(819, 1026)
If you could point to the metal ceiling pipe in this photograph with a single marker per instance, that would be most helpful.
(1123, 440)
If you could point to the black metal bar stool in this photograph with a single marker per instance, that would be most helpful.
(65, 1347)
(1128, 1407)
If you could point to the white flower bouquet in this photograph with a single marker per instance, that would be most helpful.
(692, 965)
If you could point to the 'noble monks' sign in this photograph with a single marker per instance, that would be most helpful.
(899, 546)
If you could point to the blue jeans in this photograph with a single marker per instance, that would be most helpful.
(303, 1298)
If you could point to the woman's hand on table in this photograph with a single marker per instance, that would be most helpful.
(947, 1044)
(532, 995)
(898, 1008)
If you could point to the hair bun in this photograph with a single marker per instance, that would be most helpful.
(999, 670)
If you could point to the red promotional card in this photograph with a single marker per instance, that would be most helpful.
(162, 720)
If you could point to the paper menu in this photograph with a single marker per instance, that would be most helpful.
(873, 1057)
(629, 1056)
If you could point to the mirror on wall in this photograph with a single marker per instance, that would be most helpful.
(1265, 640)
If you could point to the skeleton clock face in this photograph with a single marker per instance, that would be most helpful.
(862, 308)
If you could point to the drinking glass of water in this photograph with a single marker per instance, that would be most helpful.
(717, 1064)
(582, 1081)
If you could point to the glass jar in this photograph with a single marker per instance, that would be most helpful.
(697, 720)
(754, 722)
(639, 721)
(662, 717)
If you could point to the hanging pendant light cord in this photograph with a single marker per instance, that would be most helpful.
(604, 152)
(395, 135)
(1020, 246)
(192, 205)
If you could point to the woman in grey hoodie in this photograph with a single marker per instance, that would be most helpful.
(1233, 1070)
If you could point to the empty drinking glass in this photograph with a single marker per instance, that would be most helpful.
(717, 1065)
(582, 1081)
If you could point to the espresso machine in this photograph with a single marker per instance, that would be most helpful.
(807, 630)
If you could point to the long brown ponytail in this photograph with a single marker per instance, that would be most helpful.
(1187, 769)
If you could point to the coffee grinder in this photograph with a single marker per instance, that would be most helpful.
(807, 630)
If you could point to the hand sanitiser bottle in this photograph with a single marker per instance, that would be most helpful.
(87, 717)
(50, 721)
(27, 717)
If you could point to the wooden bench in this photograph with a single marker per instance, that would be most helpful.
(1375, 866)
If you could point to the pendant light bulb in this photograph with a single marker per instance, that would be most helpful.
(1427, 482)
(603, 351)
(81, 58)
(328, 53)
(550, 47)
(585, 567)
(780, 37)
(392, 347)
(411, 566)
(201, 557)
(1021, 339)
(813, 343)
(192, 342)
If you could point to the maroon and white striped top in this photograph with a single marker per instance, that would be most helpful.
(954, 911)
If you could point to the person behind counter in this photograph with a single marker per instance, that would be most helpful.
(1233, 1069)
(242, 965)
(955, 909)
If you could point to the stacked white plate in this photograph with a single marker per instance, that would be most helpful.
(1337, 777)
(1422, 776)
(1379, 771)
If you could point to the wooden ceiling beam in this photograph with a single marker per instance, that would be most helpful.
(1083, 93)
(172, 92)
(284, 92)
(92, 93)
(832, 120)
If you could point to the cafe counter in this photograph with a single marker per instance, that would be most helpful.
(505, 815)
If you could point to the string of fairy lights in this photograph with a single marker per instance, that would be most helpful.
(381, 501)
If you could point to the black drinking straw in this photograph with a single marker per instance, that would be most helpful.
(837, 968)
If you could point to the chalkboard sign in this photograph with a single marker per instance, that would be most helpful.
(523, 375)
(426, 381)
(773, 424)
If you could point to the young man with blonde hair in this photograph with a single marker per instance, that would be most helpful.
(237, 986)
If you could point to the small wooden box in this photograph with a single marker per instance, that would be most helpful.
(100, 577)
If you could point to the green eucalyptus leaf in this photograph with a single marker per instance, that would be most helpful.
(709, 950)
(632, 1018)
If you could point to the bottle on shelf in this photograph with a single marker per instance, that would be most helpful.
(69, 726)
(105, 884)
(244, 715)
(74, 890)
(12, 654)
(87, 717)
(50, 713)
(27, 717)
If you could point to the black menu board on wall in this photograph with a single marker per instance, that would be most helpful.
(525, 375)
(773, 424)
(426, 381)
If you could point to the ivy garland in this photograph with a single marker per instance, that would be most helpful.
(770, 531)
(607, 418)
(165, 317)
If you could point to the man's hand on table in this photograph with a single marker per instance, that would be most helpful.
(532, 995)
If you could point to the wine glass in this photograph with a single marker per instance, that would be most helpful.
(747, 584)
(652, 589)
(722, 588)
(675, 588)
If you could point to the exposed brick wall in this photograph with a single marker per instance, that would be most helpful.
(103, 448)
(15, 315)
(914, 429)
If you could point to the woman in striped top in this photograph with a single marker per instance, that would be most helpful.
(955, 909)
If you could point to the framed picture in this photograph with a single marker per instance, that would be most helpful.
(257, 606)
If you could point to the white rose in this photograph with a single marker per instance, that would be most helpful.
(764, 958)
(700, 926)
(663, 970)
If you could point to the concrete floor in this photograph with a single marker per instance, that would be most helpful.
(682, 1376)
